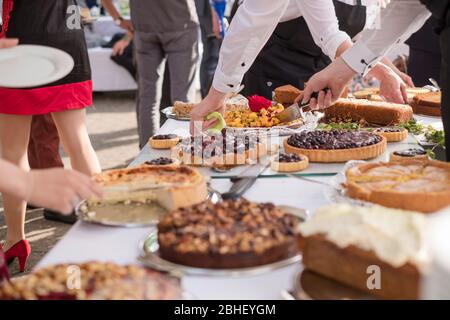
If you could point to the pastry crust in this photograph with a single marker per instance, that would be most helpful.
(278, 166)
(171, 186)
(350, 266)
(415, 185)
(393, 136)
(163, 143)
(395, 157)
(381, 113)
(339, 155)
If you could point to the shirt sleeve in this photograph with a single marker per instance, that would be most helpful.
(320, 16)
(252, 26)
(397, 23)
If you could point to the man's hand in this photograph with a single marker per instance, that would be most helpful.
(334, 77)
(120, 46)
(58, 189)
(8, 43)
(214, 101)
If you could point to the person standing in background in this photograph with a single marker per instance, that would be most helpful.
(424, 54)
(212, 31)
(162, 30)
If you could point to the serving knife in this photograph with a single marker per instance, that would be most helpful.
(245, 181)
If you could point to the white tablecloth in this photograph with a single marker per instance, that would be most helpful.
(86, 242)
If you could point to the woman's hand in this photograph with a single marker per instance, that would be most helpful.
(8, 43)
(214, 101)
(392, 87)
(334, 77)
(58, 189)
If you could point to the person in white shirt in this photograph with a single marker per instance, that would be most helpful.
(398, 22)
(250, 29)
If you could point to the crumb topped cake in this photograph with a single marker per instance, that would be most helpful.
(98, 281)
(230, 234)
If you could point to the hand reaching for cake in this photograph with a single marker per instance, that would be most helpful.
(214, 101)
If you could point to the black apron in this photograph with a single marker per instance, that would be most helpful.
(44, 22)
(291, 57)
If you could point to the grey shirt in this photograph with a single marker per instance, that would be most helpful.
(163, 15)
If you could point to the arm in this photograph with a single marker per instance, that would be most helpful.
(320, 16)
(399, 20)
(114, 13)
(250, 29)
(56, 189)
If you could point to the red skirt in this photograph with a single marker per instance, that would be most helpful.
(47, 28)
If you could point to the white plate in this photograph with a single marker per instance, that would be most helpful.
(26, 66)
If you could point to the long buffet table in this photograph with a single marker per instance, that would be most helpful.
(86, 242)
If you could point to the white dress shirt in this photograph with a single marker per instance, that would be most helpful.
(254, 23)
(398, 22)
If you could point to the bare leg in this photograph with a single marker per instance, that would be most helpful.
(14, 137)
(72, 130)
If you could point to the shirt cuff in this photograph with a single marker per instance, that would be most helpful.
(331, 47)
(225, 84)
(360, 58)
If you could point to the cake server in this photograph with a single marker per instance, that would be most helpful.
(295, 111)
(245, 181)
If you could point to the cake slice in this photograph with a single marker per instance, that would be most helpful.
(377, 250)
(286, 94)
(427, 103)
(373, 112)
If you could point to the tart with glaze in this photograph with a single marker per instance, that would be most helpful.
(336, 145)
(416, 185)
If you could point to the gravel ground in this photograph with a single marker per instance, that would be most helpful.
(112, 127)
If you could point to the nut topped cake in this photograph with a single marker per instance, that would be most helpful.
(229, 234)
(336, 145)
(98, 281)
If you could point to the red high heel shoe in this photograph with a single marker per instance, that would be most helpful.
(21, 250)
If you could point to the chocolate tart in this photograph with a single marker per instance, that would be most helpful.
(164, 141)
(336, 145)
(227, 235)
(98, 281)
(416, 185)
(289, 162)
(392, 134)
(412, 153)
(226, 149)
